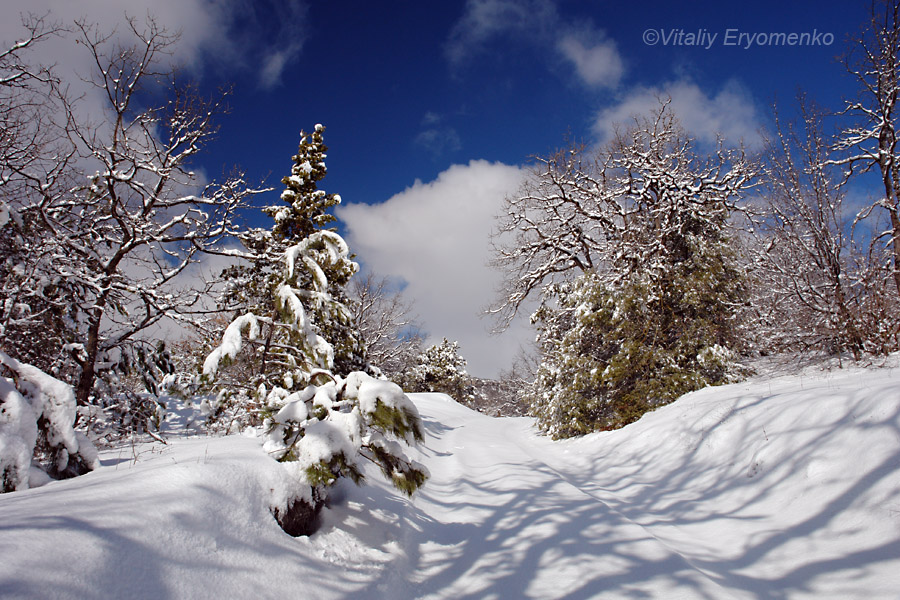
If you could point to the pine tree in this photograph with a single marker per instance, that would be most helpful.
(321, 423)
(323, 271)
(630, 251)
(612, 352)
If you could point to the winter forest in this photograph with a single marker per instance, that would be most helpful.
(710, 407)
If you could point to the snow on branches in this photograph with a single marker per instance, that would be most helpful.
(628, 250)
(870, 139)
(320, 422)
(321, 425)
(630, 206)
(37, 416)
(107, 214)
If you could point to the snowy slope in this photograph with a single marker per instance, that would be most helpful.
(780, 488)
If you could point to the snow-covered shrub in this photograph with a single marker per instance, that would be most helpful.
(325, 432)
(440, 368)
(37, 414)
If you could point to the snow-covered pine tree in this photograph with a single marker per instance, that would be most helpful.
(320, 422)
(629, 249)
(324, 269)
(440, 368)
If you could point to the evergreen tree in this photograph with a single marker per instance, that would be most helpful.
(639, 287)
(323, 271)
(320, 422)
(611, 352)
(440, 368)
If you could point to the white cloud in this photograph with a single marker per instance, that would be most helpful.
(596, 59)
(486, 19)
(198, 29)
(436, 237)
(274, 64)
(217, 34)
(598, 65)
(436, 137)
(199, 22)
(731, 112)
(439, 141)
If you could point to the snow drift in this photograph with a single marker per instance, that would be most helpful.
(784, 487)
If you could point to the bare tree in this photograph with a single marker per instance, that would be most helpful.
(390, 333)
(119, 213)
(137, 223)
(581, 212)
(870, 142)
(809, 287)
(35, 162)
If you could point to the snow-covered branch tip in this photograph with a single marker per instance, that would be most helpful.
(232, 342)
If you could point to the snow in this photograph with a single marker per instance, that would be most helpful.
(780, 487)
(323, 440)
(30, 396)
(370, 391)
(18, 434)
(231, 343)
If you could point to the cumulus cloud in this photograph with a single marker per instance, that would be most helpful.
(731, 112)
(436, 237)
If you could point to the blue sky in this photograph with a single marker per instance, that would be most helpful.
(432, 108)
(407, 89)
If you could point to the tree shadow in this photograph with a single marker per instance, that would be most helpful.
(744, 486)
(505, 525)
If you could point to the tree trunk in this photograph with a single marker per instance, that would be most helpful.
(895, 230)
(88, 372)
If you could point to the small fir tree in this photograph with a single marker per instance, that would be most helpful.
(323, 270)
(322, 424)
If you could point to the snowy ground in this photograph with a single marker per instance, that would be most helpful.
(785, 487)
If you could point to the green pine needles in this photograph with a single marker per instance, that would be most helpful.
(321, 419)
(630, 251)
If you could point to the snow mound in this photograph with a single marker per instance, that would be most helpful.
(784, 488)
